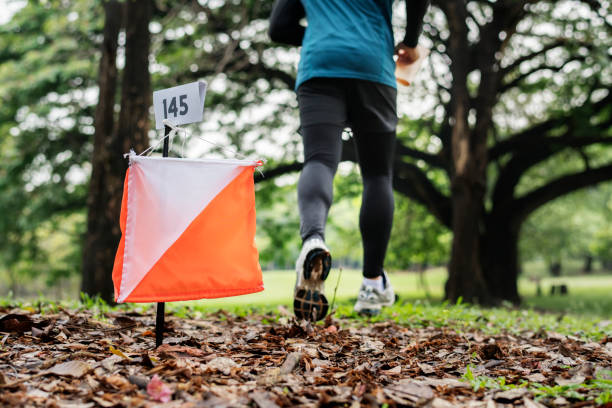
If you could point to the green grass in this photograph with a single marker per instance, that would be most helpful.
(599, 387)
(583, 312)
(279, 288)
(414, 309)
(588, 295)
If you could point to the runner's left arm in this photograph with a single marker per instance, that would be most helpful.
(415, 11)
(285, 24)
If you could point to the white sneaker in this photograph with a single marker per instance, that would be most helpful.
(311, 268)
(371, 300)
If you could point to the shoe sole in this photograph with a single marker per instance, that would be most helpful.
(309, 302)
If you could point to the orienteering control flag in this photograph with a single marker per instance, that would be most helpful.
(188, 230)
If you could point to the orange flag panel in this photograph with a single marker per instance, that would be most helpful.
(208, 255)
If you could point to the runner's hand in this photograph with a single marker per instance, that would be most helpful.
(406, 55)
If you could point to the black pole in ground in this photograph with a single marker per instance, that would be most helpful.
(161, 306)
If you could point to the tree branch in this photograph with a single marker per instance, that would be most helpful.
(543, 67)
(559, 187)
(434, 160)
(517, 62)
(409, 180)
(277, 171)
(536, 135)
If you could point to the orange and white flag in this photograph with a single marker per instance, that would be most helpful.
(188, 230)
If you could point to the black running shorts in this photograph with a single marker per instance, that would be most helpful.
(361, 105)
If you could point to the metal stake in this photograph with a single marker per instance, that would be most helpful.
(161, 306)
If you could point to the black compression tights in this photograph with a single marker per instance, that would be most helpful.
(322, 150)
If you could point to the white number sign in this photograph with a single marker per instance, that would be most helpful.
(180, 104)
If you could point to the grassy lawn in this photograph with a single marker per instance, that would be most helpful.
(590, 295)
(585, 312)
(589, 303)
(279, 288)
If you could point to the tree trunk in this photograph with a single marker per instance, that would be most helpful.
(588, 264)
(468, 177)
(465, 274)
(500, 260)
(131, 133)
(133, 126)
(101, 237)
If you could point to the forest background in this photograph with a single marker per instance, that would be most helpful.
(503, 160)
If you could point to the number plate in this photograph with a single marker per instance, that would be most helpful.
(180, 104)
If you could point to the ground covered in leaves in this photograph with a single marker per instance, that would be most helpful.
(71, 358)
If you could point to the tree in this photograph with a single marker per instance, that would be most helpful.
(48, 59)
(484, 260)
(570, 228)
(513, 97)
(45, 123)
(113, 138)
(518, 85)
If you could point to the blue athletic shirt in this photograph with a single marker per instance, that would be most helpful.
(348, 39)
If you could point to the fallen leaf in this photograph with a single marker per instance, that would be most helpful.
(158, 391)
(126, 339)
(148, 333)
(536, 378)
(190, 351)
(140, 382)
(510, 395)
(118, 382)
(263, 400)
(426, 368)
(222, 364)
(445, 382)
(74, 404)
(76, 369)
(409, 390)
(35, 393)
(394, 371)
(109, 362)
(124, 321)
(292, 360)
(529, 403)
(15, 323)
(271, 376)
(578, 379)
(491, 351)
(118, 352)
(441, 403)
(104, 403)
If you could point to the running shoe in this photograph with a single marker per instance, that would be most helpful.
(371, 300)
(312, 268)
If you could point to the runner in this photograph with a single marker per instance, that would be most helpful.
(345, 79)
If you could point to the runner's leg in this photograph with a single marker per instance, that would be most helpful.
(322, 150)
(375, 154)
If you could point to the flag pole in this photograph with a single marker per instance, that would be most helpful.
(161, 306)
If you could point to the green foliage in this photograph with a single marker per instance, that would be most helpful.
(601, 385)
(48, 62)
(278, 226)
(418, 238)
(572, 227)
(49, 54)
